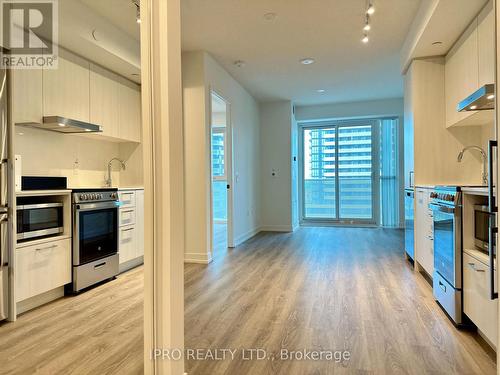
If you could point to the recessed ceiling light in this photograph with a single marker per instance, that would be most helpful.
(61, 125)
(307, 61)
(491, 97)
(473, 107)
(270, 16)
(321, 91)
(371, 9)
(437, 43)
(365, 39)
(239, 63)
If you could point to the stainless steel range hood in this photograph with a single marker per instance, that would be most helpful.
(481, 100)
(63, 125)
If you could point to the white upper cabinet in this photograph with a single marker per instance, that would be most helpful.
(130, 111)
(26, 92)
(486, 45)
(461, 74)
(104, 100)
(66, 89)
(79, 90)
(470, 64)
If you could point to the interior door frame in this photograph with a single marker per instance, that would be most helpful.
(228, 159)
(337, 123)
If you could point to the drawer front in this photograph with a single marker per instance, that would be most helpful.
(127, 216)
(477, 304)
(448, 297)
(127, 198)
(42, 267)
(127, 246)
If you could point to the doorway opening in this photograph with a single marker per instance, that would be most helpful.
(349, 172)
(221, 176)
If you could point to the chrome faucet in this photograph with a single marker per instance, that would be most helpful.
(483, 156)
(108, 179)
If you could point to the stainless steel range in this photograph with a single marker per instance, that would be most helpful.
(446, 204)
(95, 236)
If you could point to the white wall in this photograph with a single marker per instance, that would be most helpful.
(244, 113)
(276, 154)
(372, 108)
(83, 160)
(196, 159)
(201, 73)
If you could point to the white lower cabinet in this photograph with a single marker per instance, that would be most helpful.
(131, 228)
(127, 243)
(424, 231)
(41, 268)
(477, 303)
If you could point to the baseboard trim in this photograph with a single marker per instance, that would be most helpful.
(246, 236)
(123, 267)
(39, 300)
(198, 258)
(276, 228)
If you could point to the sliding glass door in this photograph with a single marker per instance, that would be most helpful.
(339, 160)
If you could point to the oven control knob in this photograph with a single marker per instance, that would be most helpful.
(81, 196)
(434, 195)
(94, 196)
(84, 197)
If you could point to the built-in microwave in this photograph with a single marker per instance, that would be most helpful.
(481, 227)
(38, 220)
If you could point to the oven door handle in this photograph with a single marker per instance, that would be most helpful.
(440, 208)
(96, 206)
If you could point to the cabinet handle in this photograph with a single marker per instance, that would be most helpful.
(473, 266)
(125, 211)
(46, 248)
(127, 230)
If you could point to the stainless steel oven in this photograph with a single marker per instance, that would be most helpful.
(446, 204)
(95, 237)
(35, 220)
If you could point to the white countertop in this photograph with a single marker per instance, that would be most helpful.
(131, 188)
(28, 193)
(480, 256)
(483, 190)
(425, 186)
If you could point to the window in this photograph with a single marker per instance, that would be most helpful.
(353, 176)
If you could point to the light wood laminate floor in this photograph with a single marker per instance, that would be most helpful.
(316, 289)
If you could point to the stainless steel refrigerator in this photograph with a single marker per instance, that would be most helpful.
(5, 237)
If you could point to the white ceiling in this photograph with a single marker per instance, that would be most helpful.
(122, 13)
(327, 30)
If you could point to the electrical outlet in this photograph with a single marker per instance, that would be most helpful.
(76, 166)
